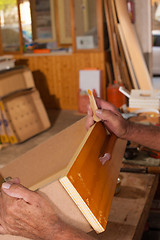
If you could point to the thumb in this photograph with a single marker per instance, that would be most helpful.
(17, 191)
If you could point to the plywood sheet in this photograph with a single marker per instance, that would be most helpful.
(41, 162)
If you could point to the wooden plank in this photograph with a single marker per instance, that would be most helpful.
(118, 61)
(130, 67)
(89, 183)
(112, 42)
(122, 62)
(133, 47)
(99, 6)
(109, 73)
(143, 24)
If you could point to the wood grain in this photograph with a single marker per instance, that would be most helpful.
(57, 76)
(91, 184)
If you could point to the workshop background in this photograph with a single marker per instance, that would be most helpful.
(51, 53)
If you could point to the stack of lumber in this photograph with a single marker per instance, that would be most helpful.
(129, 67)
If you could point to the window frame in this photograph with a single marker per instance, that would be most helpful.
(2, 52)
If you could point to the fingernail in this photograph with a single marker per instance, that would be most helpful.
(99, 111)
(6, 185)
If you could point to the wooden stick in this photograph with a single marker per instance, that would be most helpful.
(93, 106)
(106, 152)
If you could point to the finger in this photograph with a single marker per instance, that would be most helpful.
(89, 122)
(102, 104)
(14, 180)
(105, 115)
(108, 115)
(90, 112)
(17, 191)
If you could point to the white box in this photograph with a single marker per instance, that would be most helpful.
(90, 79)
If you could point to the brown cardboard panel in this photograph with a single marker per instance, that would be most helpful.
(26, 114)
(48, 158)
(15, 80)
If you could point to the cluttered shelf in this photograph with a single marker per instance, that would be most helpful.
(55, 53)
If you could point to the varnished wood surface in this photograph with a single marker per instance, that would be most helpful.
(94, 182)
(130, 207)
(57, 76)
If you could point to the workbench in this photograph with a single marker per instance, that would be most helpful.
(130, 207)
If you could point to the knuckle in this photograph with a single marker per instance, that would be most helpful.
(15, 186)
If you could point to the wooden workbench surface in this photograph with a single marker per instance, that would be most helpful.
(130, 207)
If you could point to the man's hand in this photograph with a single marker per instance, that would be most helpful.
(26, 213)
(146, 135)
(112, 119)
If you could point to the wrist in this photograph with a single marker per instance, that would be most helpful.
(55, 229)
(127, 130)
(51, 229)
